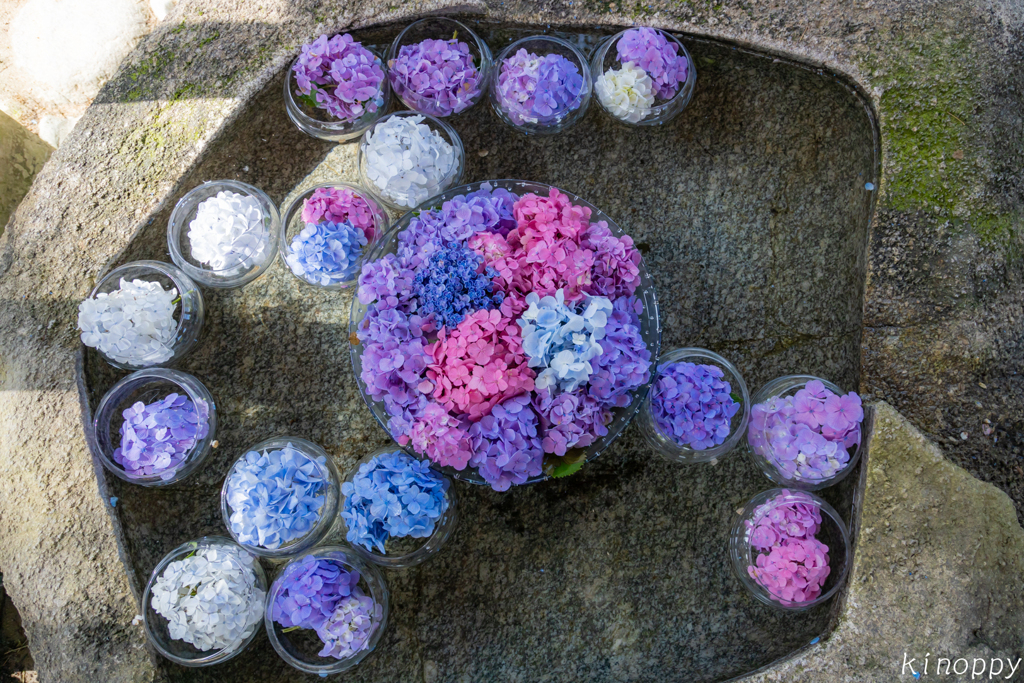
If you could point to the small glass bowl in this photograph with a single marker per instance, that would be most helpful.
(780, 388)
(181, 246)
(178, 651)
(148, 386)
(540, 46)
(663, 111)
(292, 224)
(439, 28)
(404, 201)
(328, 511)
(189, 312)
(318, 123)
(412, 551)
(667, 447)
(832, 533)
(300, 647)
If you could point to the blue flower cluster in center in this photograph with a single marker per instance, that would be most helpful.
(452, 285)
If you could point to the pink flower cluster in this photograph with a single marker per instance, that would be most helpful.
(338, 205)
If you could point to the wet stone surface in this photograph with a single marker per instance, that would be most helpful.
(752, 215)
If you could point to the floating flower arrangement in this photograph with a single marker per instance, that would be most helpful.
(503, 333)
(693, 404)
(157, 438)
(339, 76)
(133, 324)
(228, 232)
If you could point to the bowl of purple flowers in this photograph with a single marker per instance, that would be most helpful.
(397, 510)
(790, 549)
(804, 433)
(697, 409)
(438, 66)
(541, 84)
(154, 427)
(336, 88)
(326, 611)
(643, 76)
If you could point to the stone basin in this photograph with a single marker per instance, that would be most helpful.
(752, 214)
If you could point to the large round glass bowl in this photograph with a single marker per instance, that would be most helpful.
(149, 386)
(301, 647)
(832, 533)
(663, 443)
(439, 28)
(292, 224)
(541, 46)
(606, 57)
(318, 123)
(188, 312)
(765, 457)
(326, 514)
(185, 654)
(650, 326)
(235, 274)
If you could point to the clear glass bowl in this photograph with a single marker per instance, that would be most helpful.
(181, 246)
(328, 512)
(782, 387)
(403, 200)
(540, 46)
(650, 325)
(148, 386)
(189, 312)
(292, 224)
(667, 447)
(440, 28)
(318, 123)
(663, 111)
(832, 533)
(178, 651)
(407, 552)
(300, 647)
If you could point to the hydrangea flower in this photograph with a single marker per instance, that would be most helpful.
(453, 283)
(627, 92)
(347, 631)
(653, 52)
(793, 573)
(485, 210)
(326, 253)
(392, 496)
(228, 232)
(787, 516)
(275, 497)
(407, 161)
(692, 405)
(310, 592)
(133, 324)
(533, 89)
(807, 436)
(441, 437)
(339, 205)
(340, 76)
(387, 282)
(616, 271)
(209, 599)
(562, 341)
(436, 77)
(507, 445)
(156, 438)
(625, 363)
(572, 419)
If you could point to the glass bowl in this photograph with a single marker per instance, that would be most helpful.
(148, 386)
(318, 123)
(650, 326)
(832, 533)
(765, 458)
(328, 511)
(189, 312)
(540, 46)
(292, 224)
(663, 111)
(300, 648)
(439, 28)
(401, 200)
(406, 551)
(663, 443)
(222, 277)
(178, 651)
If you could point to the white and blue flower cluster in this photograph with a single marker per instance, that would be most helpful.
(275, 496)
(561, 340)
(393, 495)
(326, 253)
